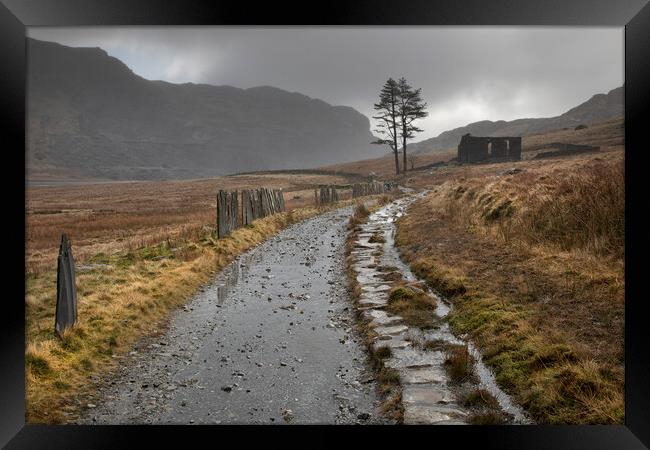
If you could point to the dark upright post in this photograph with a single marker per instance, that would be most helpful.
(66, 290)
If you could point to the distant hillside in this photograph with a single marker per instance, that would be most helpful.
(608, 135)
(598, 108)
(90, 116)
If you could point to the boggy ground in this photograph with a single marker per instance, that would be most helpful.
(270, 340)
(532, 259)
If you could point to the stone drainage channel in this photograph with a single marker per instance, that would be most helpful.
(427, 396)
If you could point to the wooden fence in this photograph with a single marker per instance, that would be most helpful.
(255, 204)
(329, 194)
(362, 189)
(325, 195)
(235, 210)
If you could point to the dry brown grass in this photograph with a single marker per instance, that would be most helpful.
(393, 407)
(533, 262)
(458, 363)
(377, 238)
(487, 418)
(128, 294)
(126, 215)
(580, 207)
(360, 214)
(608, 135)
(384, 166)
(584, 210)
(480, 398)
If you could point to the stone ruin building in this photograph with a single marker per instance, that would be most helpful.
(477, 149)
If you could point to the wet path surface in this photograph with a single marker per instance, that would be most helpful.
(427, 396)
(269, 341)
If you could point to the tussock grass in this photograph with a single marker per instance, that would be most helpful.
(585, 210)
(376, 238)
(359, 216)
(388, 377)
(479, 397)
(580, 209)
(487, 418)
(393, 407)
(130, 295)
(458, 363)
(383, 352)
(413, 304)
(537, 284)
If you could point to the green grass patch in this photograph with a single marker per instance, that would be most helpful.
(414, 305)
(442, 281)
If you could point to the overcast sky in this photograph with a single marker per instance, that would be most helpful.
(466, 73)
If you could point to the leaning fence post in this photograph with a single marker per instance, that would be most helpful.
(66, 290)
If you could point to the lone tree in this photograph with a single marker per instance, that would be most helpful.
(388, 118)
(410, 107)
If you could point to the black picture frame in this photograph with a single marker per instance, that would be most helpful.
(634, 15)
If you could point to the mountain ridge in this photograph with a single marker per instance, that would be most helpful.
(598, 108)
(91, 116)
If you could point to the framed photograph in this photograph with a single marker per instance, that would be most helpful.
(407, 217)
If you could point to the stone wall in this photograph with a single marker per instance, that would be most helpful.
(472, 149)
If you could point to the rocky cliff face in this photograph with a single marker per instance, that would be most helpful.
(90, 116)
(598, 108)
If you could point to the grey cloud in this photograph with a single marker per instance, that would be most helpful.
(466, 73)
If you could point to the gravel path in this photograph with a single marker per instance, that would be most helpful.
(269, 341)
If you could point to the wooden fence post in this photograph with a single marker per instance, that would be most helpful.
(247, 207)
(234, 212)
(221, 211)
(66, 289)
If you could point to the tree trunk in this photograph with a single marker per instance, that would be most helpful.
(395, 148)
(404, 148)
(396, 161)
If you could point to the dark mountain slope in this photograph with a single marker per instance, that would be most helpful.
(89, 115)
